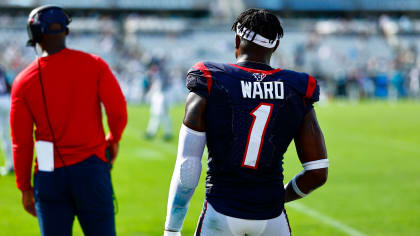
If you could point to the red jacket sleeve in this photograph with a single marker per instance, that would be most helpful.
(21, 124)
(114, 102)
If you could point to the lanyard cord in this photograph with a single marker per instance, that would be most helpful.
(44, 99)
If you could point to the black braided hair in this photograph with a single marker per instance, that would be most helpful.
(261, 22)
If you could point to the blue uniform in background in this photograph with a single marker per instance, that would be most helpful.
(253, 113)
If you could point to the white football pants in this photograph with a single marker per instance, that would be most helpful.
(213, 223)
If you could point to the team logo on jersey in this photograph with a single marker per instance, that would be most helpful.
(259, 76)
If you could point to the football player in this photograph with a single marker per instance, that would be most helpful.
(247, 113)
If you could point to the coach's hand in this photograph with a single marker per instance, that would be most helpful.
(28, 201)
(112, 148)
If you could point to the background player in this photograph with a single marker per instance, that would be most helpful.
(159, 99)
(247, 113)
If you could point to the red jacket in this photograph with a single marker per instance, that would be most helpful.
(75, 83)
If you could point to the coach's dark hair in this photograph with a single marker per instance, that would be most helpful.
(261, 22)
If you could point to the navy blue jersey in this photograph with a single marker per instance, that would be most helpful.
(253, 113)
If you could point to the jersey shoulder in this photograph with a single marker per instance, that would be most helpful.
(305, 84)
(201, 75)
(208, 68)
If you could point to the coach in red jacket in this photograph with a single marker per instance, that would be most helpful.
(61, 95)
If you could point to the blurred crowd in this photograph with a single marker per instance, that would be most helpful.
(361, 59)
(358, 71)
(356, 59)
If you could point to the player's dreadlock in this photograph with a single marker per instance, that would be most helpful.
(261, 22)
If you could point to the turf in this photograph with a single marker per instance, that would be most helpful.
(373, 186)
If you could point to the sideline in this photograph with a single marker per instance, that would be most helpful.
(325, 219)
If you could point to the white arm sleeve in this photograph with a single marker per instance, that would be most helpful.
(185, 177)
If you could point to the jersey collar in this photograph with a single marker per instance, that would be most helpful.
(255, 67)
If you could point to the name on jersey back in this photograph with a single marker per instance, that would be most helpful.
(263, 90)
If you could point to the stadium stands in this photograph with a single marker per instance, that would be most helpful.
(344, 54)
(155, 4)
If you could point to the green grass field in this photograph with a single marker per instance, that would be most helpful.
(373, 186)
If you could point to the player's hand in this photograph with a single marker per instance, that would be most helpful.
(171, 233)
(112, 149)
(28, 201)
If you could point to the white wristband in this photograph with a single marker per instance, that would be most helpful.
(318, 164)
(312, 165)
(296, 188)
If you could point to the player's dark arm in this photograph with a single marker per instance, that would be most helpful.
(310, 147)
(191, 143)
(194, 112)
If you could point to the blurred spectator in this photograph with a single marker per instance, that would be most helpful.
(4, 123)
(414, 84)
(381, 84)
(159, 99)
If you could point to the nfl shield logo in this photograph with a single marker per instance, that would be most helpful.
(259, 76)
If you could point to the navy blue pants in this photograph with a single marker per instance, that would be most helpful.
(83, 190)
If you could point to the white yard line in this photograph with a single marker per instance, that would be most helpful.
(325, 219)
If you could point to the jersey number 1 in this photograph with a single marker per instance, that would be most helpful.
(261, 115)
